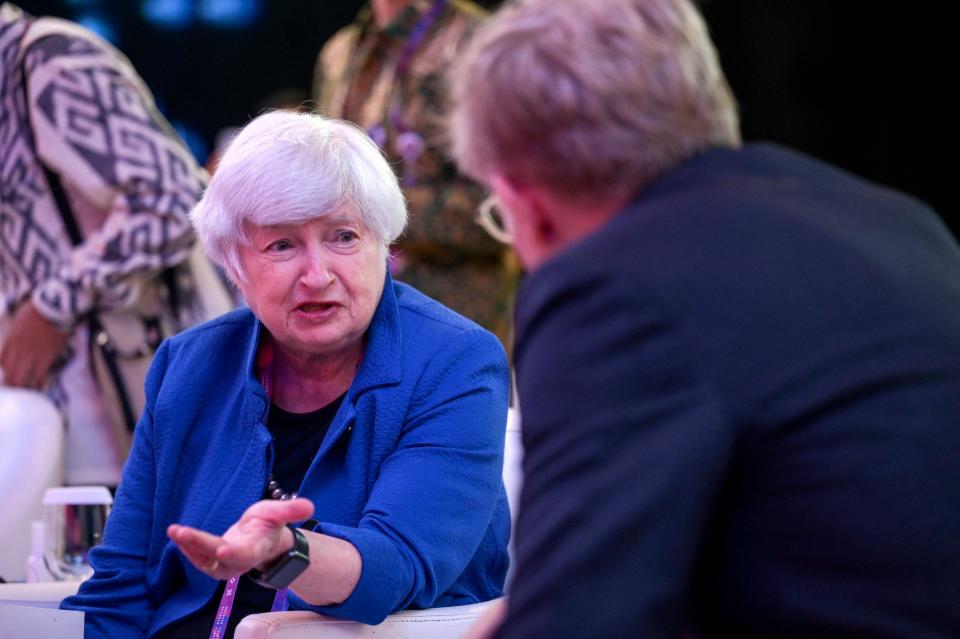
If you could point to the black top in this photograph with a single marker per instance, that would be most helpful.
(741, 411)
(296, 440)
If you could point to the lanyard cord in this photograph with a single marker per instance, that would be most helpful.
(280, 603)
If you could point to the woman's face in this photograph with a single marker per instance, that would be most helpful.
(315, 285)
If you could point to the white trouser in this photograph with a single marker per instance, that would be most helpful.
(95, 449)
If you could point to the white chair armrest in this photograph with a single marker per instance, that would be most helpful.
(37, 595)
(435, 623)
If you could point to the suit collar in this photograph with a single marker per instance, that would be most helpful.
(383, 353)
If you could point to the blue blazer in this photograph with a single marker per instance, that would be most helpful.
(409, 471)
(741, 413)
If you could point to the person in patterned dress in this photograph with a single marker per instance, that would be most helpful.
(69, 101)
(386, 72)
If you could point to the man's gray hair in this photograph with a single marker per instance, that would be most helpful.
(289, 168)
(590, 96)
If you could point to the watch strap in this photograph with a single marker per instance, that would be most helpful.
(283, 570)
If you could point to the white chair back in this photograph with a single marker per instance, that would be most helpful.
(31, 460)
(512, 477)
(513, 461)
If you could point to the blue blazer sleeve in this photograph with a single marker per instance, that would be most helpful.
(437, 491)
(616, 423)
(115, 598)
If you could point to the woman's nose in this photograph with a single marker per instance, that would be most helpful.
(316, 271)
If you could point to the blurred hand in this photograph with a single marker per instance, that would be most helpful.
(489, 622)
(260, 536)
(31, 347)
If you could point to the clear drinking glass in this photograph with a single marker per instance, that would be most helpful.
(74, 519)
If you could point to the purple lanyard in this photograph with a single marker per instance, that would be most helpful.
(280, 603)
(408, 144)
(417, 35)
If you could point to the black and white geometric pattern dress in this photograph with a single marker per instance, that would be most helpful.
(130, 182)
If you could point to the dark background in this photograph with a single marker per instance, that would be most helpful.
(862, 85)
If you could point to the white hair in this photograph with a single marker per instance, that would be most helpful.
(289, 168)
(585, 96)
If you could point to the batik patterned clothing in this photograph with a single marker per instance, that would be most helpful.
(443, 253)
(86, 114)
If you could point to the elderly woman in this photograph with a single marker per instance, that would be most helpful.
(383, 410)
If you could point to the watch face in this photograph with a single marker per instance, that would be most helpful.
(291, 566)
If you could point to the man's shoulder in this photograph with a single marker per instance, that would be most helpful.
(716, 244)
(744, 200)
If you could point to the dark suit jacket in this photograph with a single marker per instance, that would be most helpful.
(741, 413)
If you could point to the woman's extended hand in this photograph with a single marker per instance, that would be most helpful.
(260, 536)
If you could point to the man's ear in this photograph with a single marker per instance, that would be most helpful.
(510, 199)
(521, 199)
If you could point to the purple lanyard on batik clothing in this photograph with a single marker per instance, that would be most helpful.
(409, 144)
(280, 603)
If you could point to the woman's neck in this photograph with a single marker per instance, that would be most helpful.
(303, 383)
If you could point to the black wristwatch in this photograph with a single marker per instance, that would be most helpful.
(281, 572)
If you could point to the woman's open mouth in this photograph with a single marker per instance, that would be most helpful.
(316, 310)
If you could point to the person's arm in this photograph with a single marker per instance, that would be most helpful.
(130, 183)
(427, 512)
(438, 491)
(115, 599)
(625, 448)
(29, 356)
(261, 536)
(130, 179)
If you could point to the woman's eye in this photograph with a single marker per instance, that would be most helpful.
(279, 245)
(346, 237)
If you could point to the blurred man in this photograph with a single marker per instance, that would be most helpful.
(739, 367)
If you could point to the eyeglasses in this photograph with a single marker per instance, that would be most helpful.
(491, 219)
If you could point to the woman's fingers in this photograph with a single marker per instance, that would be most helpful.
(248, 552)
(280, 512)
(257, 537)
(197, 540)
(201, 548)
(198, 546)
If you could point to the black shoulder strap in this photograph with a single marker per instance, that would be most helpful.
(70, 224)
(63, 205)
